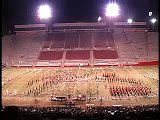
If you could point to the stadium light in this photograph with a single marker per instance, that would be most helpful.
(112, 10)
(44, 12)
(150, 13)
(99, 18)
(153, 20)
(129, 21)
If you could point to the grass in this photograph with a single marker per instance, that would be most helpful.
(85, 84)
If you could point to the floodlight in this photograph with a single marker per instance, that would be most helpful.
(153, 20)
(112, 9)
(150, 14)
(99, 18)
(129, 21)
(44, 12)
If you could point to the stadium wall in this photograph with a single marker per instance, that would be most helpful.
(98, 65)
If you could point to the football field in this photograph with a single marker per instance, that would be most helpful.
(105, 86)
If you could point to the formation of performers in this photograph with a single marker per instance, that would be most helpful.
(112, 78)
(131, 86)
(137, 90)
(38, 86)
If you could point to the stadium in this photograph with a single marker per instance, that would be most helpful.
(94, 70)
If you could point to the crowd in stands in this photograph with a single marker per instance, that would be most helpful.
(147, 112)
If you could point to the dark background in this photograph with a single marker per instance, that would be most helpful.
(25, 11)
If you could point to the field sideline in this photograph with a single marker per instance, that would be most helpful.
(22, 86)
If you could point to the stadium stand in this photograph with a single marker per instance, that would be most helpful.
(110, 39)
(105, 54)
(47, 42)
(124, 49)
(152, 47)
(72, 40)
(58, 40)
(100, 39)
(137, 40)
(50, 55)
(78, 55)
(149, 112)
(132, 45)
(85, 40)
(6, 40)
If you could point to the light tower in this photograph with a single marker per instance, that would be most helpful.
(111, 11)
(45, 15)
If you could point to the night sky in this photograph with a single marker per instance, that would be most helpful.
(24, 11)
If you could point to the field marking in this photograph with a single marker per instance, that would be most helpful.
(82, 87)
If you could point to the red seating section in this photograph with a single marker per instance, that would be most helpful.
(78, 55)
(50, 55)
(105, 54)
